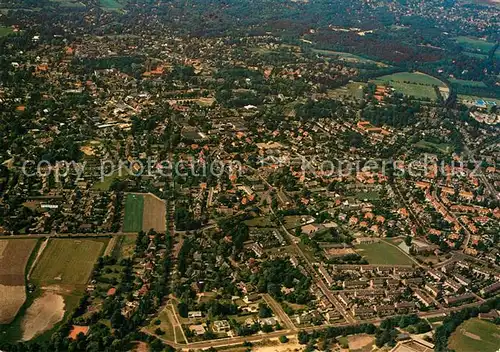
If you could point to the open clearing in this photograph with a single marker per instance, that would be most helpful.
(14, 256)
(474, 44)
(433, 147)
(360, 342)
(67, 262)
(154, 213)
(476, 335)
(42, 315)
(347, 57)
(134, 209)
(5, 31)
(382, 253)
(418, 85)
(124, 247)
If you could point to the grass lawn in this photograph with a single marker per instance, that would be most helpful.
(5, 31)
(262, 221)
(382, 253)
(475, 44)
(432, 147)
(112, 4)
(371, 195)
(67, 262)
(106, 182)
(418, 85)
(352, 89)
(124, 247)
(461, 82)
(476, 335)
(348, 57)
(134, 208)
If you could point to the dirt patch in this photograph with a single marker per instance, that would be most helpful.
(141, 347)
(42, 315)
(11, 298)
(357, 342)
(291, 346)
(470, 335)
(76, 330)
(154, 213)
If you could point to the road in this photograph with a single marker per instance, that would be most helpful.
(231, 341)
(314, 275)
(278, 310)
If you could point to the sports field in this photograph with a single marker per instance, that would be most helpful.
(382, 253)
(67, 262)
(134, 209)
(476, 335)
(418, 85)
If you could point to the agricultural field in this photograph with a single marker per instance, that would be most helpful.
(14, 257)
(67, 262)
(476, 335)
(154, 213)
(134, 210)
(59, 276)
(383, 254)
(418, 85)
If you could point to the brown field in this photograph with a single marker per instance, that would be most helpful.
(154, 213)
(11, 298)
(14, 256)
(42, 315)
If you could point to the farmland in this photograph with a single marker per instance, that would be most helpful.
(134, 208)
(476, 335)
(14, 256)
(67, 262)
(382, 253)
(154, 213)
(144, 212)
(418, 85)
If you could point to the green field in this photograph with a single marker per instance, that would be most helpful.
(124, 247)
(69, 3)
(476, 335)
(134, 207)
(347, 57)
(462, 82)
(112, 4)
(433, 147)
(475, 44)
(351, 89)
(67, 262)
(5, 31)
(370, 195)
(382, 253)
(418, 85)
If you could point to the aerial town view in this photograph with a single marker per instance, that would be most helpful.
(250, 175)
